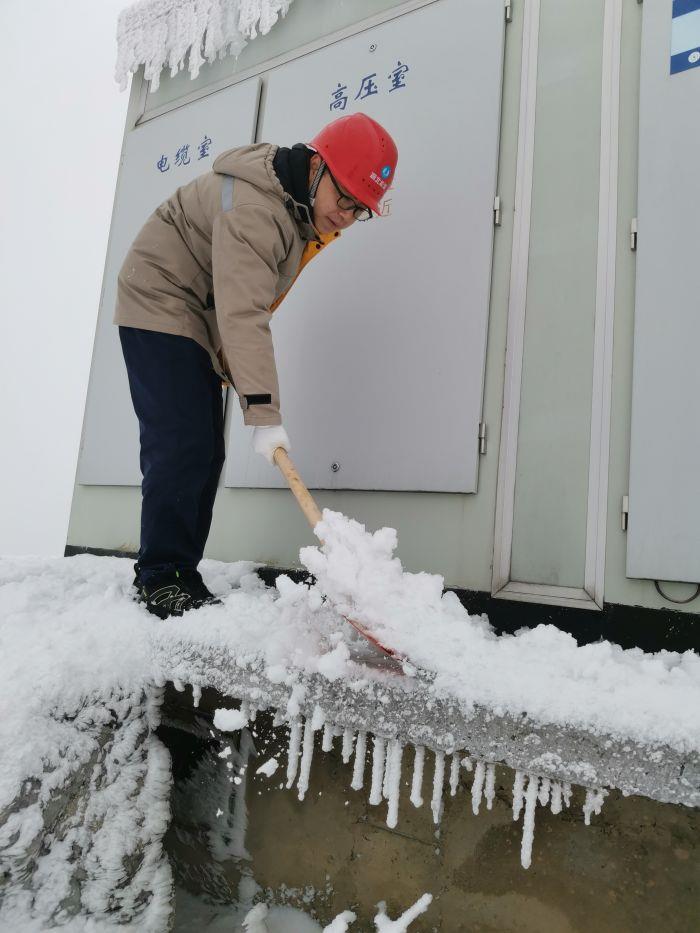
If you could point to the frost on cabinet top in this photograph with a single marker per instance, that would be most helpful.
(156, 33)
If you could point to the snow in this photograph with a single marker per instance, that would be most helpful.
(600, 687)
(385, 925)
(78, 610)
(229, 720)
(72, 637)
(341, 922)
(156, 33)
(264, 919)
(268, 768)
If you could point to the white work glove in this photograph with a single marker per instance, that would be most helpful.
(267, 438)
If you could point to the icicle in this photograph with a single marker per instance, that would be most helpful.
(318, 719)
(417, 782)
(490, 785)
(386, 778)
(518, 793)
(566, 793)
(555, 805)
(454, 774)
(348, 739)
(593, 803)
(543, 795)
(178, 684)
(306, 758)
(253, 714)
(529, 820)
(379, 751)
(157, 34)
(278, 719)
(438, 780)
(196, 695)
(358, 771)
(245, 710)
(327, 743)
(478, 786)
(293, 753)
(468, 763)
(395, 757)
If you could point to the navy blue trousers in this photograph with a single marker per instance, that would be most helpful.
(178, 401)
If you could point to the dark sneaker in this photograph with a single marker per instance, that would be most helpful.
(197, 587)
(172, 593)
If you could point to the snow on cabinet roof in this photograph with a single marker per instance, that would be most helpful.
(156, 33)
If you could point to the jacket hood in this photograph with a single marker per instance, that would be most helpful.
(254, 164)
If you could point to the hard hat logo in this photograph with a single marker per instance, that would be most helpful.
(375, 178)
(352, 146)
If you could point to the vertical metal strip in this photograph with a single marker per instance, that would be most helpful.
(503, 534)
(605, 305)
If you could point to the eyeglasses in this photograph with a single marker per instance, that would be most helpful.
(346, 203)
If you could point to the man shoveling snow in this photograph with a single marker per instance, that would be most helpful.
(195, 295)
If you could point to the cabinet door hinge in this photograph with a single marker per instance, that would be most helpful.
(482, 437)
(625, 512)
(509, 11)
(633, 233)
(497, 211)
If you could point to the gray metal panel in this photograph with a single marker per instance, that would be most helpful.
(109, 452)
(664, 519)
(381, 343)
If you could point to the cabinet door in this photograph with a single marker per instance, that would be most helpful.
(381, 343)
(154, 163)
(663, 541)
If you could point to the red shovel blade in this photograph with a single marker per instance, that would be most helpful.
(377, 644)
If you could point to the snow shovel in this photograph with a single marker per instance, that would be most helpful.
(313, 516)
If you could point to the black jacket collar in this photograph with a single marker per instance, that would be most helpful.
(292, 168)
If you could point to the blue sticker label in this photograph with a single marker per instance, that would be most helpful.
(685, 35)
(386, 171)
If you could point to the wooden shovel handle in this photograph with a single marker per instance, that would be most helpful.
(301, 493)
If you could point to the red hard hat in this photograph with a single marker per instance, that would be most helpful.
(360, 154)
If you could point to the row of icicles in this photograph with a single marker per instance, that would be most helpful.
(387, 760)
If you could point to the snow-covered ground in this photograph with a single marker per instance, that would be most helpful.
(70, 627)
(70, 633)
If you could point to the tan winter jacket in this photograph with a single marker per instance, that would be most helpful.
(213, 262)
